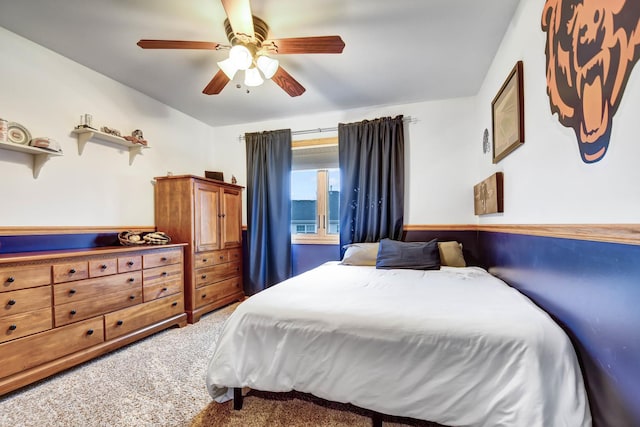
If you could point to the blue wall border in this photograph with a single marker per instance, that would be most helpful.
(592, 290)
(51, 242)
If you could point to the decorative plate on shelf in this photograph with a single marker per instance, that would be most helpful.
(485, 141)
(18, 134)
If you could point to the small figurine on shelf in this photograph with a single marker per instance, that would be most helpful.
(233, 179)
(110, 131)
(136, 137)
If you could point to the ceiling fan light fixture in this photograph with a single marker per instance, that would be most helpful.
(252, 77)
(267, 65)
(228, 67)
(241, 57)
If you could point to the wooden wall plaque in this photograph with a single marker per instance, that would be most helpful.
(488, 195)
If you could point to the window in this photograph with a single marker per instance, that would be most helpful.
(315, 192)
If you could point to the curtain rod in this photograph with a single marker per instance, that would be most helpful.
(407, 119)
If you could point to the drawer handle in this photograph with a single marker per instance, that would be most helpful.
(11, 302)
(164, 273)
(221, 256)
(11, 279)
(204, 276)
(72, 312)
(132, 297)
(120, 322)
(13, 327)
(129, 263)
(103, 267)
(72, 291)
(174, 304)
(204, 296)
(72, 271)
(131, 279)
(90, 332)
(164, 289)
(205, 260)
(164, 258)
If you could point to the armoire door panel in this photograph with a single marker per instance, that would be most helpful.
(207, 220)
(231, 219)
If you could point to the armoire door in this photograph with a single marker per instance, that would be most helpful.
(231, 218)
(207, 217)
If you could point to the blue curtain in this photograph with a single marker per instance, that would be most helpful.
(371, 158)
(268, 209)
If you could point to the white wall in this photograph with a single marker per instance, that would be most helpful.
(47, 93)
(545, 179)
(438, 151)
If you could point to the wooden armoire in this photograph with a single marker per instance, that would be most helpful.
(207, 215)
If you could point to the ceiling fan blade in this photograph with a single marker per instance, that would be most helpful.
(177, 44)
(288, 83)
(321, 44)
(217, 83)
(240, 16)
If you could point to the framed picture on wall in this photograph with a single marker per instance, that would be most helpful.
(488, 195)
(507, 115)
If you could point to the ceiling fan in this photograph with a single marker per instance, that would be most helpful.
(250, 50)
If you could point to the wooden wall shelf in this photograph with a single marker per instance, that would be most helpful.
(86, 134)
(40, 155)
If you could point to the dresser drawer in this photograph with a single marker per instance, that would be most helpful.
(205, 276)
(103, 267)
(130, 319)
(12, 278)
(162, 281)
(129, 263)
(23, 324)
(158, 259)
(151, 291)
(70, 271)
(160, 274)
(206, 259)
(74, 311)
(235, 255)
(28, 352)
(25, 300)
(64, 293)
(211, 293)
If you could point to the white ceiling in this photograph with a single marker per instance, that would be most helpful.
(397, 51)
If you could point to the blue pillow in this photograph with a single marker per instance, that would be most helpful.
(414, 255)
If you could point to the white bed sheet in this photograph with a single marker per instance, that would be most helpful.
(455, 346)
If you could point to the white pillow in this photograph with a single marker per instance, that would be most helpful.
(360, 254)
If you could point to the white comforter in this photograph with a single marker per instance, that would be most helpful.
(456, 346)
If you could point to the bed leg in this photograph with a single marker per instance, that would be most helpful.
(237, 398)
(376, 420)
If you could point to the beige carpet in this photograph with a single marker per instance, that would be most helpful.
(160, 381)
(292, 409)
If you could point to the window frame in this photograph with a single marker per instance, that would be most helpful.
(322, 175)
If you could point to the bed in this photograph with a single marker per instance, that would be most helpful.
(456, 346)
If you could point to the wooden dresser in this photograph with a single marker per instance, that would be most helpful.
(62, 308)
(207, 215)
